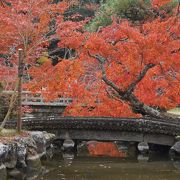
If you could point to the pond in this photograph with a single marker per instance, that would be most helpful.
(72, 167)
(104, 168)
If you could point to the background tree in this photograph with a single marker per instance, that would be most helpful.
(24, 24)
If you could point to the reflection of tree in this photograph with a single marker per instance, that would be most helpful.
(105, 149)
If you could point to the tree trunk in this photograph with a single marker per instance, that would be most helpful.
(11, 106)
(144, 109)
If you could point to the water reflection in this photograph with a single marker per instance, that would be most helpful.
(111, 161)
(143, 158)
(105, 149)
(105, 168)
(68, 158)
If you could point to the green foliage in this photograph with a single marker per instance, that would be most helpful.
(134, 10)
(168, 7)
(131, 9)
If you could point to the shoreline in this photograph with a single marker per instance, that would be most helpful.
(20, 154)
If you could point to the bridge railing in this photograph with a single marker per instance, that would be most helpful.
(29, 99)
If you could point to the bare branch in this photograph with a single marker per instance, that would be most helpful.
(101, 59)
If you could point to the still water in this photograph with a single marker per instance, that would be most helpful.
(73, 167)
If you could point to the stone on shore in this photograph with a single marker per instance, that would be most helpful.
(40, 141)
(20, 152)
(3, 152)
(11, 158)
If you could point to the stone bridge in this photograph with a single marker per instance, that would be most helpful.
(148, 130)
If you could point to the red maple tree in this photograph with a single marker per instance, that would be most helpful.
(124, 68)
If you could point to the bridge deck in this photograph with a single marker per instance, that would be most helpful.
(97, 128)
(154, 126)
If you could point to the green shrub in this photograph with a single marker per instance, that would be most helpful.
(131, 9)
(134, 10)
(168, 7)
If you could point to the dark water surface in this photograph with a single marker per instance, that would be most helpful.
(72, 167)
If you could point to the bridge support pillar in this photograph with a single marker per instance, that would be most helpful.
(68, 145)
(143, 148)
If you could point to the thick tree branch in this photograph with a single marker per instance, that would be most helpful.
(110, 83)
(128, 96)
(102, 60)
(141, 75)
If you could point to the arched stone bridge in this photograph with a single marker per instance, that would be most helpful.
(148, 130)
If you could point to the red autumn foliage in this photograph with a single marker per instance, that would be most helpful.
(126, 67)
(159, 3)
(120, 68)
(25, 24)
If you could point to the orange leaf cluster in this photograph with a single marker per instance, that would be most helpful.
(159, 3)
